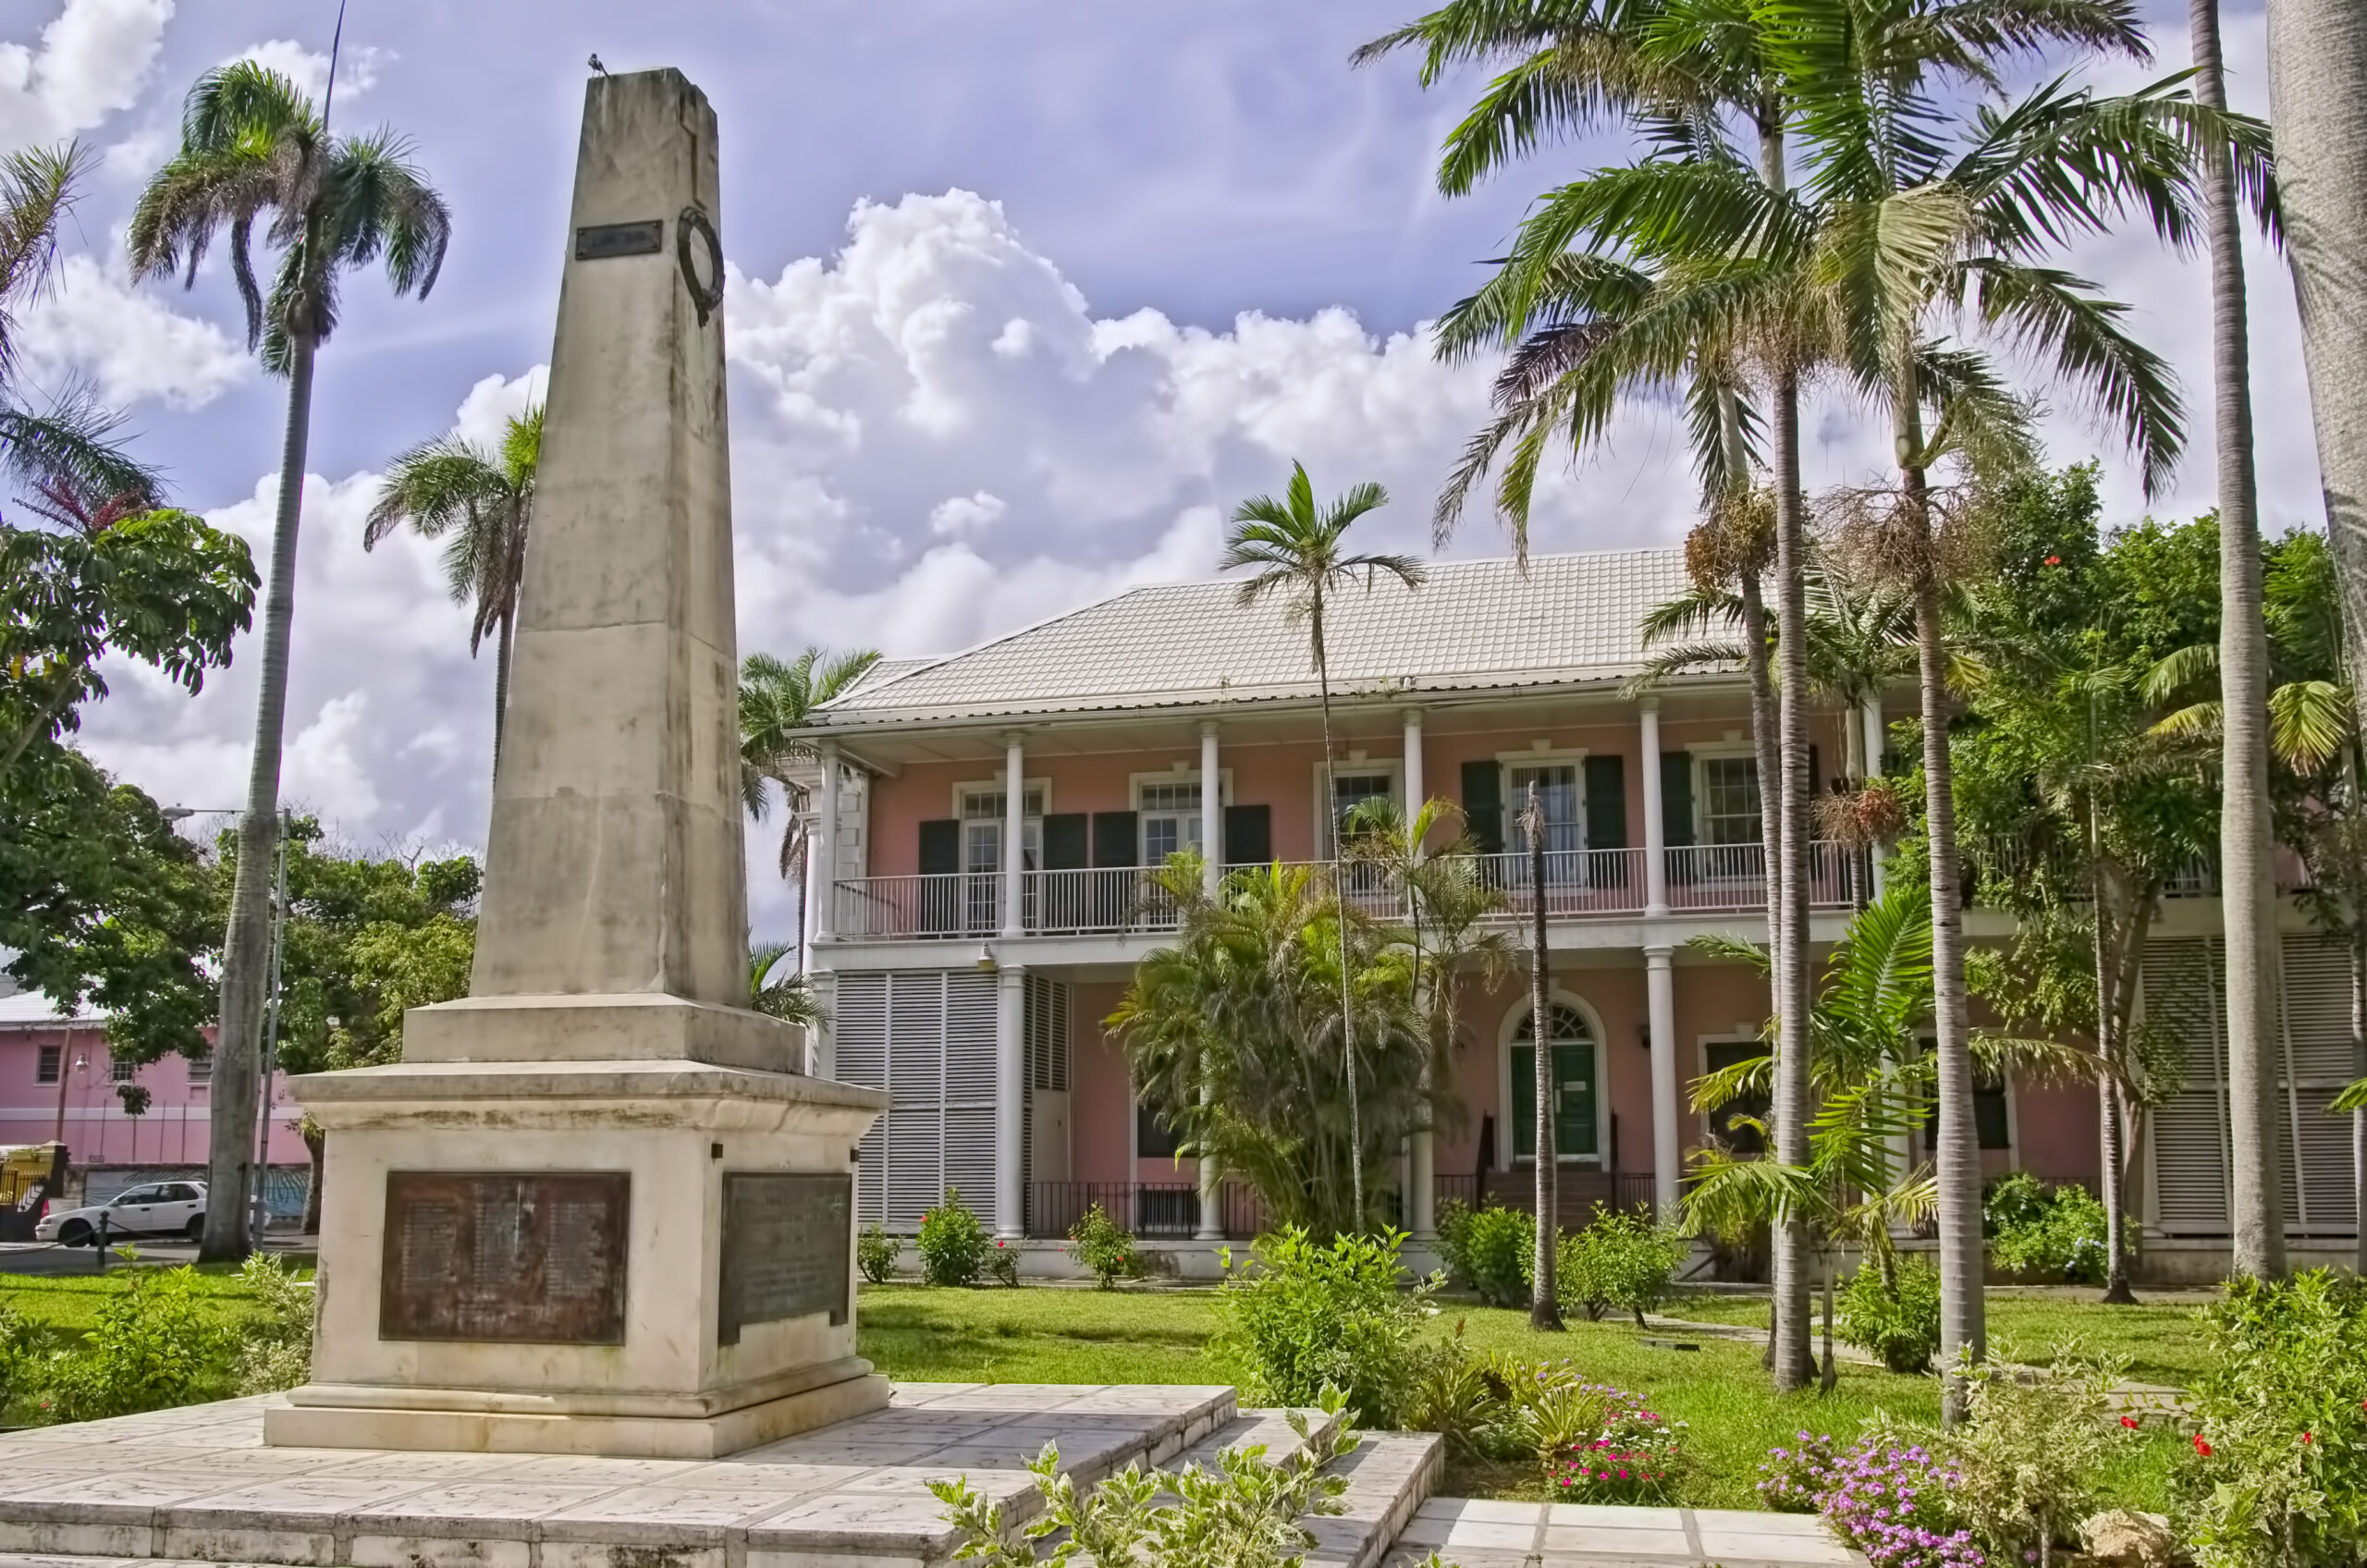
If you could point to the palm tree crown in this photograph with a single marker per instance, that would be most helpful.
(1294, 548)
(481, 503)
(777, 703)
(253, 145)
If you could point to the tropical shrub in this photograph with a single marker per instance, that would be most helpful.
(1622, 1262)
(1100, 1244)
(1301, 1316)
(2041, 1233)
(1633, 1456)
(1897, 1319)
(1242, 1512)
(1488, 1250)
(2029, 1457)
(1887, 1495)
(274, 1345)
(2279, 1474)
(952, 1242)
(20, 1357)
(874, 1253)
(1002, 1264)
(149, 1347)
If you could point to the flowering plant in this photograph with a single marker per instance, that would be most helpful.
(1633, 1456)
(1887, 1495)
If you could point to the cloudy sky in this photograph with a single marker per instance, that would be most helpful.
(1025, 295)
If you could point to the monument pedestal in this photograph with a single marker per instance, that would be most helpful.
(647, 1258)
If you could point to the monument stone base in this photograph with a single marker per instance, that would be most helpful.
(639, 1257)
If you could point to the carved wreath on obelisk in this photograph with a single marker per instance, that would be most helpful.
(706, 296)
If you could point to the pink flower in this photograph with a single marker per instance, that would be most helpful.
(2200, 1446)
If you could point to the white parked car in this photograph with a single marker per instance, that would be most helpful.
(154, 1208)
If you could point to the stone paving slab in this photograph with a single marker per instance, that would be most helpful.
(1480, 1533)
(197, 1484)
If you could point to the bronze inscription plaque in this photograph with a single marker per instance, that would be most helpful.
(785, 1239)
(506, 1256)
(602, 240)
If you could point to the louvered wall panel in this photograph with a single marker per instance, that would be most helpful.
(916, 1036)
(2317, 1009)
(915, 1177)
(2182, 990)
(970, 1003)
(970, 1157)
(2329, 1200)
(859, 1030)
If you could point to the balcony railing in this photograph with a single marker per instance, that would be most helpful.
(1578, 885)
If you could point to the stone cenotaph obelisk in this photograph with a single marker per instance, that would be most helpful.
(597, 1207)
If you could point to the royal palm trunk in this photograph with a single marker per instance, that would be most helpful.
(1795, 1359)
(1963, 1320)
(246, 948)
(1545, 1298)
(2247, 885)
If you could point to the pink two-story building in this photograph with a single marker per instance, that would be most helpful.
(982, 821)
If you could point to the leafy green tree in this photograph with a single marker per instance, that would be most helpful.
(253, 149)
(103, 903)
(2078, 812)
(481, 504)
(1247, 1001)
(1295, 551)
(367, 937)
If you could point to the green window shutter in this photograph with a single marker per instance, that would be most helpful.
(1606, 803)
(1483, 804)
(940, 847)
(1116, 838)
(1064, 841)
(1248, 835)
(1524, 1071)
(1676, 799)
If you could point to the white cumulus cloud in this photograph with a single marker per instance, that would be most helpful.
(127, 342)
(94, 58)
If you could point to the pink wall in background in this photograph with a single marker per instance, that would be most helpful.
(1102, 1103)
(173, 1131)
(2055, 1134)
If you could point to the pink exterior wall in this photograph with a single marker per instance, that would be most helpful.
(172, 1131)
(1443, 756)
(1101, 1117)
(2056, 1133)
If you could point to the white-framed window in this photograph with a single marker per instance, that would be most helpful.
(1560, 794)
(121, 1072)
(1726, 798)
(981, 810)
(1352, 783)
(1167, 809)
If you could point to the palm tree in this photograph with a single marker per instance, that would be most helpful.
(782, 992)
(2247, 875)
(2317, 85)
(1295, 550)
(1676, 68)
(776, 703)
(253, 148)
(484, 501)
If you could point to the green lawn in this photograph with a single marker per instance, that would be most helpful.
(2161, 1336)
(1062, 1336)
(66, 1302)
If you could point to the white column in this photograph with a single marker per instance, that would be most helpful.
(822, 861)
(1011, 1102)
(1211, 1226)
(1416, 790)
(1648, 716)
(1015, 832)
(1871, 716)
(1660, 1008)
(1421, 1197)
(1211, 811)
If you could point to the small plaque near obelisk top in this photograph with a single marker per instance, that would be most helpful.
(598, 1208)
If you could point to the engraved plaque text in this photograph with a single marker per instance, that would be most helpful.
(786, 1240)
(599, 242)
(502, 1256)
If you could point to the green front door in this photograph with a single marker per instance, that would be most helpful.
(1576, 1079)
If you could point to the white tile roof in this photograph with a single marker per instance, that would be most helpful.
(1473, 625)
(30, 1010)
